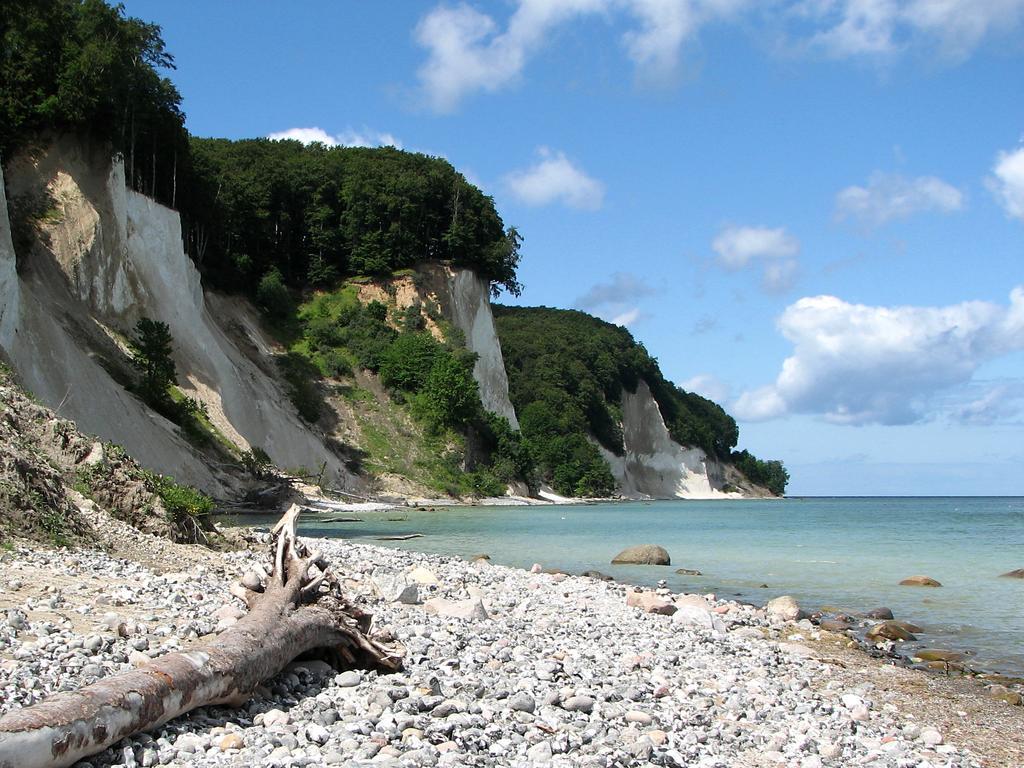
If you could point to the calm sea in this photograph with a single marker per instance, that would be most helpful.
(845, 552)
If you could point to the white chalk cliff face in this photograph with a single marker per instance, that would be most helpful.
(654, 465)
(469, 305)
(108, 257)
(10, 289)
(465, 300)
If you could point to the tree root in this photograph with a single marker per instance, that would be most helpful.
(295, 609)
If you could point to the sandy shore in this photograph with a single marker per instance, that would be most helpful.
(503, 667)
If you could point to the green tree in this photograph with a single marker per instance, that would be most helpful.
(450, 396)
(83, 66)
(273, 297)
(151, 356)
(409, 361)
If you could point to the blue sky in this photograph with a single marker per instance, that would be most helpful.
(811, 211)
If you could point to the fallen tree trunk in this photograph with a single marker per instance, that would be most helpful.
(295, 610)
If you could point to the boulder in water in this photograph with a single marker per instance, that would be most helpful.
(879, 614)
(920, 581)
(833, 625)
(688, 572)
(889, 630)
(643, 554)
(932, 654)
(1018, 574)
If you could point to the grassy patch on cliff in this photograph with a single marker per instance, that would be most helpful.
(428, 423)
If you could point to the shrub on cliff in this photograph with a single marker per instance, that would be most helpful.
(151, 356)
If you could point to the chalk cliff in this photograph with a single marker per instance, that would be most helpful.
(106, 256)
(654, 465)
(465, 299)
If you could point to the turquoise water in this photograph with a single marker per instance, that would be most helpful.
(845, 552)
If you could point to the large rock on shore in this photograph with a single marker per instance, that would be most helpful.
(395, 587)
(650, 602)
(783, 608)
(643, 554)
(694, 611)
(424, 576)
(920, 581)
(467, 610)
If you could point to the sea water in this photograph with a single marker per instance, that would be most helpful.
(850, 553)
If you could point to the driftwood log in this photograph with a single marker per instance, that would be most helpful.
(296, 610)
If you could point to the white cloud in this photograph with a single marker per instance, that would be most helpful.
(859, 364)
(347, 138)
(620, 288)
(998, 403)
(616, 299)
(859, 28)
(891, 196)
(1007, 182)
(665, 26)
(707, 385)
(469, 52)
(626, 318)
(555, 179)
(863, 27)
(738, 246)
(774, 248)
(961, 25)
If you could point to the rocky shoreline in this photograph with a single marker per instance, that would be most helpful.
(503, 667)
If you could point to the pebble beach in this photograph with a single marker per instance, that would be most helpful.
(502, 667)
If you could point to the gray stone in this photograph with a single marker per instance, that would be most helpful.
(317, 734)
(540, 753)
(578, 704)
(522, 702)
(348, 679)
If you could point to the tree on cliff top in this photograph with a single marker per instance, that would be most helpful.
(319, 213)
(83, 66)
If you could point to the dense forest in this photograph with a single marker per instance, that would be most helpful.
(317, 214)
(567, 370)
